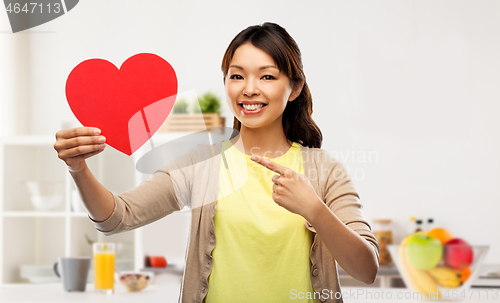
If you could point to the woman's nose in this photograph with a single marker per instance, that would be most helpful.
(250, 89)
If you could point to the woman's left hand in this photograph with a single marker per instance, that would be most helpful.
(291, 190)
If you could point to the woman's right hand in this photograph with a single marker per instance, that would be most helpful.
(75, 145)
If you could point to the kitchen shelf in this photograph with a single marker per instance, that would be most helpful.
(32, 214)
(31, 237)
(78, 215)
(28, 141)
(30, 241)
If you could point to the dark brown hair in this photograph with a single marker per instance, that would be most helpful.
(273, 39)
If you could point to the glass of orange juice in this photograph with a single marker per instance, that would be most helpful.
(104, 267)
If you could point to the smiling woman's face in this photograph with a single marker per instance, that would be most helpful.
(254, 78)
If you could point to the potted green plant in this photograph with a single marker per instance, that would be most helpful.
(209, 105)
(180, 107)
(205, 114)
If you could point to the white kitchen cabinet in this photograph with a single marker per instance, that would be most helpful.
(31, 237)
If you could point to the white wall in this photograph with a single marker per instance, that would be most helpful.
(411, 86)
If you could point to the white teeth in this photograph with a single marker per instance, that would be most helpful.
(253, 106)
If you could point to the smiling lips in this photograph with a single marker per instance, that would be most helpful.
(249, 107)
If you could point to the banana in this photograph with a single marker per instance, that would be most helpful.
(404, 267)
(420, 280)
(446, 277)
(429, 286)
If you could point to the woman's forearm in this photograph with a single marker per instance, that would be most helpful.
(97, 199)
(354, 254)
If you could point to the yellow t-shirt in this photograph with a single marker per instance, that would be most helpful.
(262, 249)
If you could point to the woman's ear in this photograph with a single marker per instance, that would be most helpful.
(296, 91)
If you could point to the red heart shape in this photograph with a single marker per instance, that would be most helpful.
(128, 104)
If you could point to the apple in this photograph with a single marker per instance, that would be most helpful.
(458, 254)
(424, 252)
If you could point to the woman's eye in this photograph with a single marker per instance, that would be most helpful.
(268, 77)
(237, 77)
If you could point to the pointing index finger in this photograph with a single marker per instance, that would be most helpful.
(275, 167)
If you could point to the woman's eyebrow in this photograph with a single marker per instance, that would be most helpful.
(235, 66)
(268, 66)
(260, 68)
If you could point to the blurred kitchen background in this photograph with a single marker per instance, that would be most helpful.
(405, 92)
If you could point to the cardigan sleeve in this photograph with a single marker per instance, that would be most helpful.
(166, 191)
(151, 200)
(341, 197)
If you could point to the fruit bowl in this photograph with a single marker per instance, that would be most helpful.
(435, 270)
(135, 281)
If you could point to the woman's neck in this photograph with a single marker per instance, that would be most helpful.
(269, 142)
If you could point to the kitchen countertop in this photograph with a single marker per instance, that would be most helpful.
(488, 275)
(165, 288)
(384, 295)
(386, 269)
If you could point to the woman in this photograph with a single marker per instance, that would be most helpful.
(282, 229)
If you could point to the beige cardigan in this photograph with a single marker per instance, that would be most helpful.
(192, 180)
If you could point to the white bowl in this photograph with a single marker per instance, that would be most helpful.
(39, 270)
(45, 195)
(38, 273)
(133, 280)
